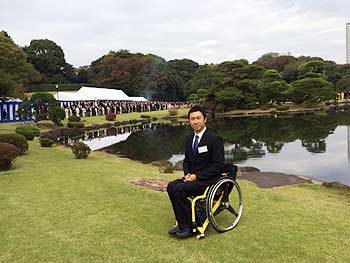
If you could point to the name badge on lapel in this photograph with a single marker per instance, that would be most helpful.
(203, 149)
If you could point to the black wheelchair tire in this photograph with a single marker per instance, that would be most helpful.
(230, 185)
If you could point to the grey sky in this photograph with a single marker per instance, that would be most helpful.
(207, 31)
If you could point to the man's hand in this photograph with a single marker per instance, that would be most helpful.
(189, 177)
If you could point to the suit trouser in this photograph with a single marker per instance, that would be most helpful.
(178, 191)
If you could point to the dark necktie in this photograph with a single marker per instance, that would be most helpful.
(195, 144)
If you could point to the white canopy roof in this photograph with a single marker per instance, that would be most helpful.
(93, 93)
(138, 99)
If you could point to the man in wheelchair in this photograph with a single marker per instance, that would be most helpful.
(203, 166)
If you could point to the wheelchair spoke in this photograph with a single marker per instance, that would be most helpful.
(230, 208)
(219, 210)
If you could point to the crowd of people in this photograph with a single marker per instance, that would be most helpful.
(343, 95)
(100, 108)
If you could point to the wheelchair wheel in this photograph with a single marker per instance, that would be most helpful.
(224, 204)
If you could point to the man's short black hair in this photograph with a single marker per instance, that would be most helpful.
(197, 108)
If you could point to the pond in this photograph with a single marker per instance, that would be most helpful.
(316, 146)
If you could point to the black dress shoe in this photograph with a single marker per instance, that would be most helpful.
(174, 230)
(184, 233)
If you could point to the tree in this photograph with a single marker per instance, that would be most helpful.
(228, 98)
(42, 106)
(229, 66)
(248, 72)
(268, 56)
(290, 72)
(332, 72)
(185, 68)
(48, 58)
(312, 90)
(251, 93)
(206, 77)
(278, 63)
(82, 75)
(193, 98)
(14, 70)
(137, 75)
(312, 69)
(343, 84)
(273, 88)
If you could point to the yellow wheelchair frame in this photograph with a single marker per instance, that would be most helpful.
(217, 199)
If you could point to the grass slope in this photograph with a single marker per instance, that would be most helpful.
(54, 208)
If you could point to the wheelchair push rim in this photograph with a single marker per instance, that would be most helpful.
(224, 205)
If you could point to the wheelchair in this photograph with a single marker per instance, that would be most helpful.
(220, 205)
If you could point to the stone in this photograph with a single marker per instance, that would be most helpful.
(246, 169)
(336, 185)
(154, 184)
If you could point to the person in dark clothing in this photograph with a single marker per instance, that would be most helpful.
(202, 166)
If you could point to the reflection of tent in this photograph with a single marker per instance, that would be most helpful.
(92, 93)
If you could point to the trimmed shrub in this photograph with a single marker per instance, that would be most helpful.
(111, 116)
(17, 140)
(30, 128)
(74, 119)
(282, 108)
(8, 153)
(75, 125)
(81, 150)
(144, 116)
(53, 134)
(156, 163)
(29, 136)
(172, 112)
(166, 168)
(28, 131)
(46, 142)
(56, 114)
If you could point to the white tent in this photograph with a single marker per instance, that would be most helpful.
(65, 96)
(138, 99)
(92, 93)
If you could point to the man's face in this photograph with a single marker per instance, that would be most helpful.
(197, 121)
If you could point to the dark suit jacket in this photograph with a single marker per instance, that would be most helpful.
(207, 166)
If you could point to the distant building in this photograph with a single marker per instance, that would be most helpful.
(347, 43)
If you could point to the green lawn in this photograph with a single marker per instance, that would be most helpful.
(54, 208)
(88, 121)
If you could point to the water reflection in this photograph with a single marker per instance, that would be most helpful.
(311, 145)
(151, 145)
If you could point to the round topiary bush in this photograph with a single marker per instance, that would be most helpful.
(8, 153)
(111, 116)
(75, 125)
(17, 140)
(29, 136)
(81, 150)
(46, 142)
(74, 119)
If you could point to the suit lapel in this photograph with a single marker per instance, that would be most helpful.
(189, 143)
(203, 140)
